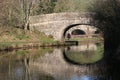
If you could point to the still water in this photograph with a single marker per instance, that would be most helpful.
(83, 62)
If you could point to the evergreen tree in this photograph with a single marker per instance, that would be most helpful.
(46, 6)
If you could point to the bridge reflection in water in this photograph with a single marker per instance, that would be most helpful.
(56, 64)
(82, 62)
(84, 54)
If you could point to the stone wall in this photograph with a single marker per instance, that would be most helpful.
(55, 24)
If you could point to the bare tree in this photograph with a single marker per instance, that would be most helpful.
(4, 11)
(25, 9)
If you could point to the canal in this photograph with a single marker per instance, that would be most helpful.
(86, 61)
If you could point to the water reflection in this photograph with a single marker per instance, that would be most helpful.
(84, 54)
(51, 64)
(15, 65)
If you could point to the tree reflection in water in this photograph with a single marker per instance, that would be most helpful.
(51, 64)
(14, 65)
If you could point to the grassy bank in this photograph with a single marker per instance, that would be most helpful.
(15, 38)
(18, 38)
(20, 35)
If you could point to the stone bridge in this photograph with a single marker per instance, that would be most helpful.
(58, 24)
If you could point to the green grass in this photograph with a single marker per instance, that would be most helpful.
(45, 39)
(22, 36)
(5, 45)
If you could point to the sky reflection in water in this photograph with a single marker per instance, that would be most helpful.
(84, 77)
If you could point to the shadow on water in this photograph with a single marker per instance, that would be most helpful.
(112, 59)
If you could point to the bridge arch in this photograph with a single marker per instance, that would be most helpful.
(84, 29)
(67, 28)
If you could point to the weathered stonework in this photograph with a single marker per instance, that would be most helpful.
(55, 24)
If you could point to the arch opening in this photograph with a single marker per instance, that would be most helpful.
(78, 32)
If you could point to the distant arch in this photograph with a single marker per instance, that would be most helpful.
(68, 27)
(78, 32)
